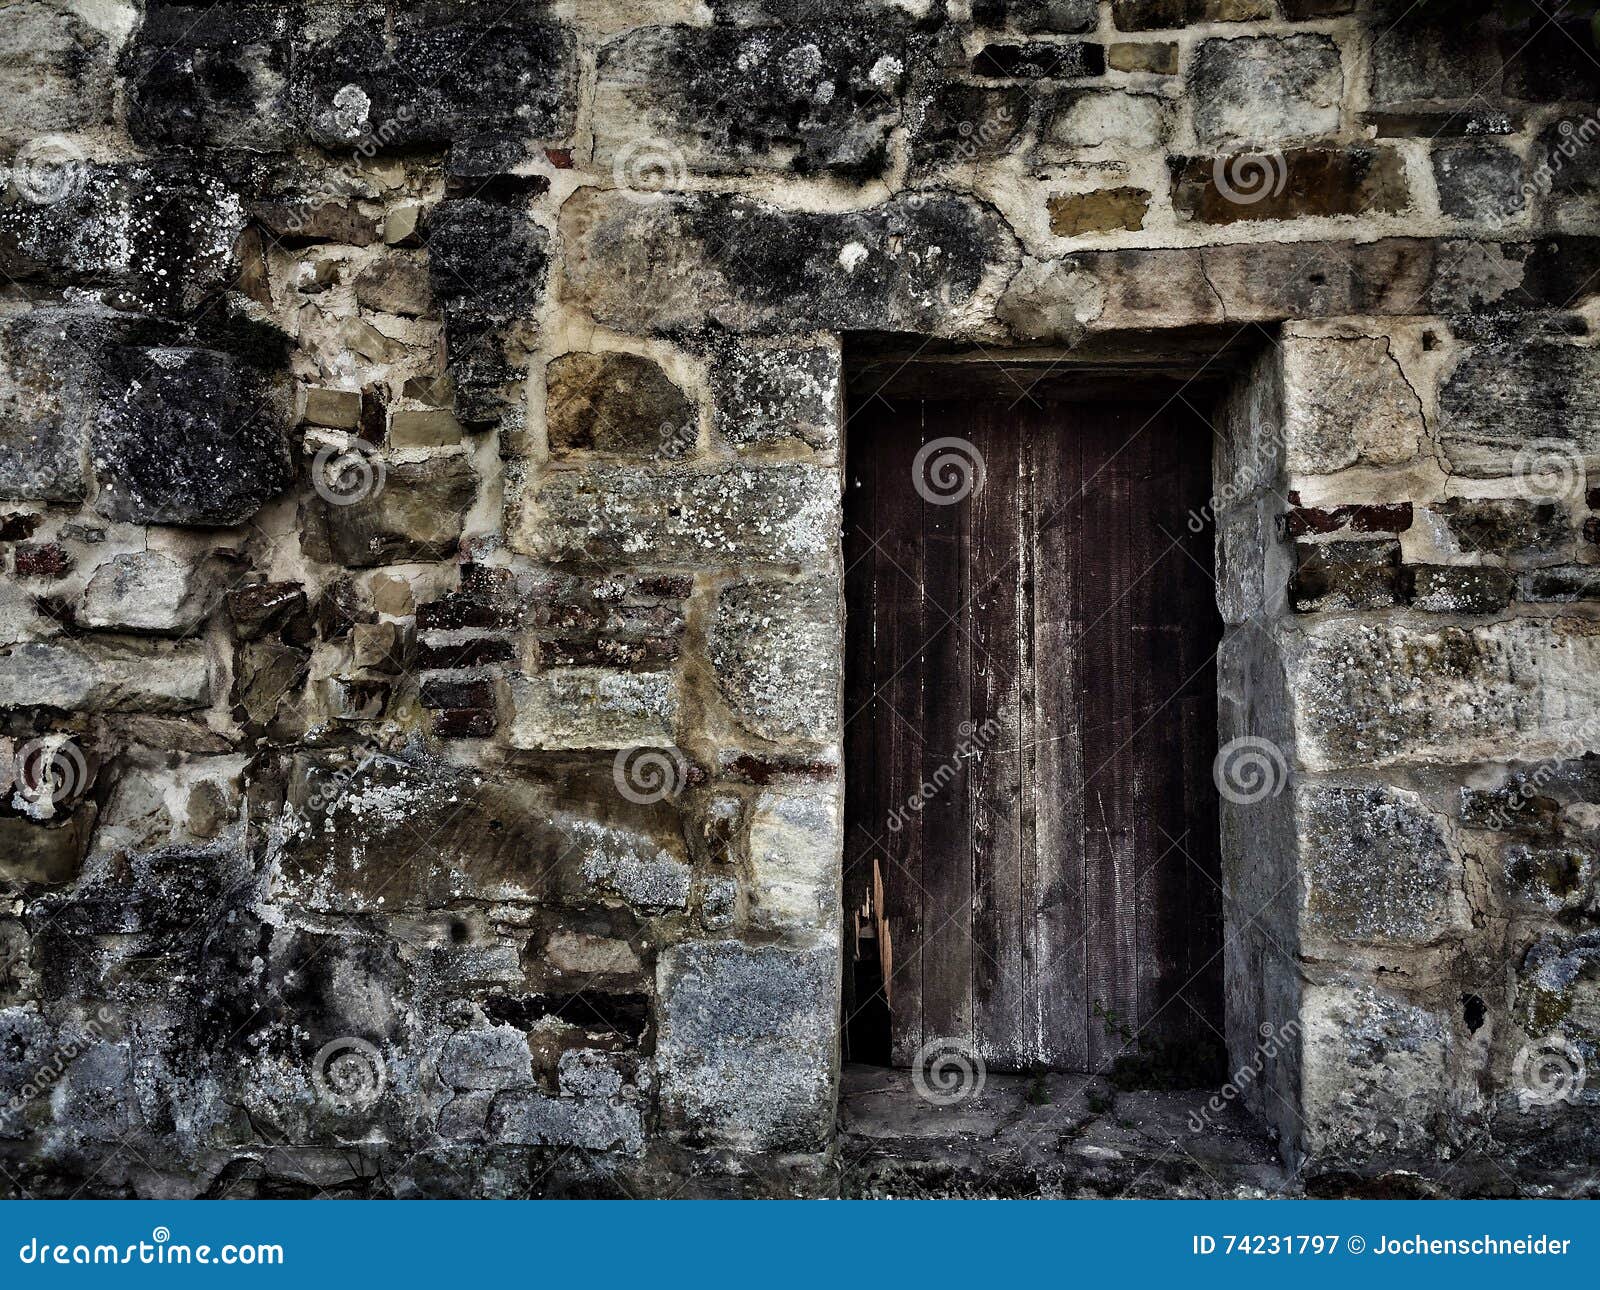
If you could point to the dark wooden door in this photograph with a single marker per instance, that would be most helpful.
(1032, 846)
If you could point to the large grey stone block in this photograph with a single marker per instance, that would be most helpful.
(720, 99)
(1268, 89)
(1378, 865)
(685, 263)
(1519, 393)
(1373, 1075)
(1346, 402)
(782, 513)
(1372, 694)
(746, 1044)
(105, 675)
(775, 646)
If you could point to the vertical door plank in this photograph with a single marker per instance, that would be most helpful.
(1157, 603)
(899, 673)
(862, 729)
(946, 826)
(1106, 673)
(1054, 896)
(992, 625)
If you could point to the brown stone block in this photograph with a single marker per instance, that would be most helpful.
(1156, 56)
(1297, 184)
(1104, 211)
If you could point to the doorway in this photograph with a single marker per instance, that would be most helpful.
(1032, 863)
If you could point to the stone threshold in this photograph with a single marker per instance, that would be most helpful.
(1051, 1136)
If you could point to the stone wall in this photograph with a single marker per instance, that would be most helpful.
(422, 641)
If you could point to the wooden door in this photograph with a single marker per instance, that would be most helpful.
(1031, 700)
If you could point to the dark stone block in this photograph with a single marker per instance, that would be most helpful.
(1460, 124)
(215, 77)
(1503, 525)
(18, 525)
(625, 1015)
(1308, 10)
(720, 99)
(1457, 589)
(425, 74)
(415, 514)
(1434, 55)
(1288, 185)
(1161, 15)
(1372, 518)
(486, 265)
(1479, 182)
(262, 608)
(438, 693)
(1517, 807)
(469, 653)
(1513, 389)
(1562, 585)
(1038, 60)
(1345, 575)
(465, 723)
(1554, 877)
(453, 612)
(961, 123)
(300, 223)
(1555, 63)
(194, 438)
(1565, 163)
(268, 697)
(42, 560)
(160, 235)
(487, 598)
(647, 654)
(50, 385)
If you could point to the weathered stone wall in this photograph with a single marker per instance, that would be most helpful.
(422, 641)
